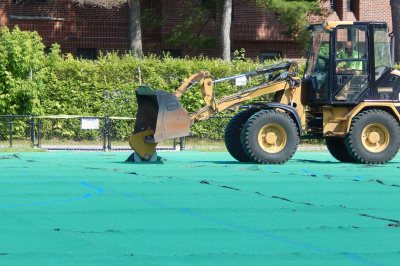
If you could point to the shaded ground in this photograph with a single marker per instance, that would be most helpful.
(86, 208)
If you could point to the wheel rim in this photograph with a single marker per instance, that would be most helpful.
(375, 138)
(272, 138)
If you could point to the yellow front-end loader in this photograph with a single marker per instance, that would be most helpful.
(161, 116)
(349, 96)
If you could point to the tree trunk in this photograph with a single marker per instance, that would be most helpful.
(395, 5)
(226, 30)
(135, 30)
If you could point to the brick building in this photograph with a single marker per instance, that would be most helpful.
(84, 31)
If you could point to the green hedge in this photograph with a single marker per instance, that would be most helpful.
(32, 82)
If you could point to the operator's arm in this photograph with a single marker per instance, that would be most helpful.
(349, 67)
(348, 71)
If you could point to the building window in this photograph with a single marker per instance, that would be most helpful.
(332, 5)
(352, 5)
(270, 55)
(174, 53)
(86, 53)
(210, 6)
(208, 3)
(23, 2)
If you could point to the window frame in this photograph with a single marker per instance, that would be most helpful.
(270, 55)
(94, 52)
(30, 2)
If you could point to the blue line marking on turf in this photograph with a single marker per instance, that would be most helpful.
(98, 190)
(146, 201)
(254, 231)
(308, 172)
(46, 203)
(188, 211)
(358, 177)
(269, 167)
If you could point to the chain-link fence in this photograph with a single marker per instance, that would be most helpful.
(71, 133)
(17, 130)
(119, 129)
(98, 133)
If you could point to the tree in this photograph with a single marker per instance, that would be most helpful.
(294, 16)
(135, 31)
(395, 6)
(226, 21)
(189, 33)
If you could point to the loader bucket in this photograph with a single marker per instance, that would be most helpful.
(162, 113)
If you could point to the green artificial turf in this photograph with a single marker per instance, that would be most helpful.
(196, 208)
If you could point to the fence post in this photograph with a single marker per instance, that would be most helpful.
(109, 133)
(39, 133)
(181, 143)
(11, 130)
(33, 130)
(105, 134)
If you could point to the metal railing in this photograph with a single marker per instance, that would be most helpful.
(16, 129)
(91, 133)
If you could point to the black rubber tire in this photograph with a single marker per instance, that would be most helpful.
(232, 134)
(256, 123)
(337, 147)
(354, 142)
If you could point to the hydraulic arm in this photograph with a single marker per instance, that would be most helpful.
(161, 116)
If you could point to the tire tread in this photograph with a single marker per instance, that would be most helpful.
(246, 135)
(351, 139)
(232, 135)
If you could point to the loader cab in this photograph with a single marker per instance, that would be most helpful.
(346, 62)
